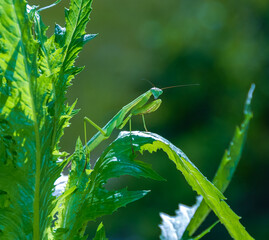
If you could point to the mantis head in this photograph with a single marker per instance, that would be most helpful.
(156, 92)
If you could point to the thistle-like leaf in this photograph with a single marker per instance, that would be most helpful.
(228, 163)
(34, 75)
(212, 196)
(27, 157)
(91, 200)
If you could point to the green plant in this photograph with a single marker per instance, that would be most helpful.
(35, 74)
(188, 219)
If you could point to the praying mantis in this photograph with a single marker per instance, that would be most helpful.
(139, 106)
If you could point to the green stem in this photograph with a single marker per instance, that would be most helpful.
(37, 189)
(36, 231)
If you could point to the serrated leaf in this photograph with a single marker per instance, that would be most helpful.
(32, 118)
(75, 36)
(228, 163)
(213, 197)
(91, 200)
(26, 130)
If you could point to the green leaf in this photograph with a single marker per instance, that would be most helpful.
(100, 234)
(74, 34)
(91, 200)
(228, 164)
(213, 197)
(26, 130)
(57, 56)
(34, 75)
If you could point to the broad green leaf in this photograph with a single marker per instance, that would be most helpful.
(100, 234)
(213, 197)
(91, 200)
(34, 75)
(228, 164)
(26, 130)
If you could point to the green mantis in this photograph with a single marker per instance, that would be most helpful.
(139, 106)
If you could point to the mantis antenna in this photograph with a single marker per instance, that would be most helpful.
(175, 86)
(184, 85)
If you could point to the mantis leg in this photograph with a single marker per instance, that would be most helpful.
(94, 125)
(86, 147)
(85, 135)
(144, 123)
(125, 121)
(131, 141)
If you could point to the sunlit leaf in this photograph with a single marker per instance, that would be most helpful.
(145, 141)
(91, 200)
(228, 163)
(34, 75)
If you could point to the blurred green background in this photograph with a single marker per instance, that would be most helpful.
(223, 46)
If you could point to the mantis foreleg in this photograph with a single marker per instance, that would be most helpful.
(131, 141)
(85, 136)
(94, 125)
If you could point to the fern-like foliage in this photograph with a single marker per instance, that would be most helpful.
(34, 74)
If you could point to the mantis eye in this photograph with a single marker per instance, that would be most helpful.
(156, 92)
